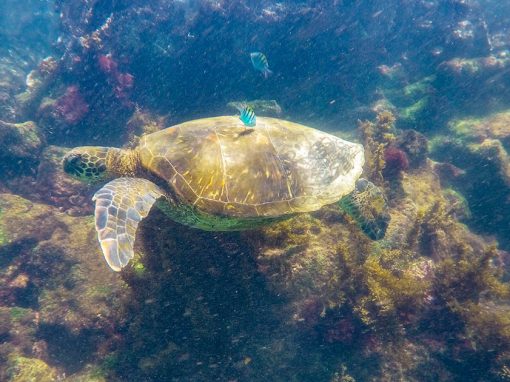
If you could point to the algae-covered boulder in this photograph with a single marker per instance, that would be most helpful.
(55, 286)
(478, 148)
(56, 188)
(23, 369)
(20, 141)
(495, 126)
(49, 184)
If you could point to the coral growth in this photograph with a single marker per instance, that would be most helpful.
(71, 106)
(107, 64)
(477, 164)
(415, 145)
(395, 162)
(143, 122)
(307, 299)
(376, 138)
(121, 82)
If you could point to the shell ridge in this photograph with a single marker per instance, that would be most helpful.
(179, 174)
(224, 185)
(280, 162)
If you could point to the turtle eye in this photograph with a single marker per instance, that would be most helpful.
(74, 160)
(86, 164)
(76, 165)
(72, 163)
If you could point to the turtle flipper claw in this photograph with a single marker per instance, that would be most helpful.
(120, 205)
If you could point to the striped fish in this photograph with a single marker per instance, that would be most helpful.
(248, 116)
(259, 62)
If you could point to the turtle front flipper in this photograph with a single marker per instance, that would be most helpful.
(367, 205)
(120, 205)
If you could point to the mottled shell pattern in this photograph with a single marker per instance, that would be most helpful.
(276, 168)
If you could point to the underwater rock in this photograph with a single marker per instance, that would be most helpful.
(38, 82)
(19, 327)
(197, 303)
(377, 136)
(20, 141)
(57, 117)
(448, 173)
(413, 103)
(11, 83)
(260, 106)
(122, 83)
(496, 126)
(395, 162)
(71, 106)
(484, 170)
(52, 278)
(49, 184)
(56, 188)
(20, 148)
(480, 67)
(180, 33)
(473, 83)
(459, 207)
(23, 369)
(415, 146)
(144, 122)
(394, 74)
(16, 61)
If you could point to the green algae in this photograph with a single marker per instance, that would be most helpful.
(137, 266)
(411, 113)
(418, 89)
(464, 128)
(23, 369)
(458, 202)
(93, 372)
(19, 314)
(68, 287)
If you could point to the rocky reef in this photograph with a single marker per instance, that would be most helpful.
(306, 299)
(55, 294)
(477, 149)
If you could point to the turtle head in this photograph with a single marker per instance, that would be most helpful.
(88, 163)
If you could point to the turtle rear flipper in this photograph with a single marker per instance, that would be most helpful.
(120, 205)
(367, 205)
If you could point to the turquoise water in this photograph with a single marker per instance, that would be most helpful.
(422, 85)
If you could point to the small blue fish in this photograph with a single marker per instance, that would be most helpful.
(248, 116)
(260, 63)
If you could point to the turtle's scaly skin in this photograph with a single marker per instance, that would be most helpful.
(215, 166)
(368, 207)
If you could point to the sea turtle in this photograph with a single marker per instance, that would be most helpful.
(215, 174)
